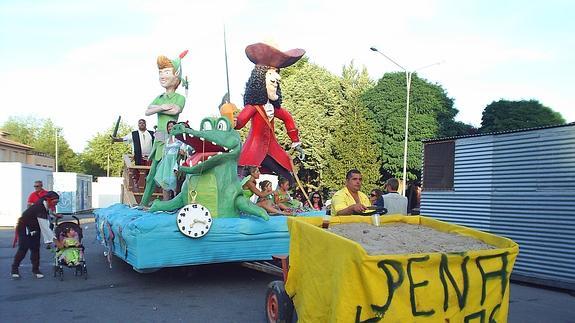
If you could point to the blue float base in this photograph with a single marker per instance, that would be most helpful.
(148, 240)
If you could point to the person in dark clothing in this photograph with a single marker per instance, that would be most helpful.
(28, 233)
(414, 198)
(142, 141)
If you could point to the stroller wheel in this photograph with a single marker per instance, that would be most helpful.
(85, 271)
(59, 272)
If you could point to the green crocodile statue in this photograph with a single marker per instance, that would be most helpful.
(211, 179)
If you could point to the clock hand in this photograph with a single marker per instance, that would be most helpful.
(198, 221)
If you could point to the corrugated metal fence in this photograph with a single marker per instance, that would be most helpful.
(519, 185)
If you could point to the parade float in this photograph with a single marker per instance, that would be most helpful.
(210, 220)
(328, 277)
(213, 221)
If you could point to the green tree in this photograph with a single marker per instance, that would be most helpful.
(313, 97)
(331, 118)
(509, 115)
(451, 128)
(431, 116)
(45, 142)
(41, 134)
(22, 129)
(295, 68)
(354, 137)
(100, 147)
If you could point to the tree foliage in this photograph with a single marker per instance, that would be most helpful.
(41, 134)
(313, 97)
(100, 148)
(431, 116)
(354, 143)
(509, 115)
(22, 129)
(334, 130)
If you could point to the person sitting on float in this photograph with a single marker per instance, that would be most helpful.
(282, 197)
(262, 106)
(374, 195)
(316, 202)
(250, 189)
(168, 166)
(267, 202)
(350, 200)
(376, 199)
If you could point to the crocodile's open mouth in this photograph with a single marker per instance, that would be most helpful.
(204, 148)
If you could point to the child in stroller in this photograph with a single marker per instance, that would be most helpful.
(70, 252)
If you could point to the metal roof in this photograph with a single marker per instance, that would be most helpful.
(497, 132)
(14, 144)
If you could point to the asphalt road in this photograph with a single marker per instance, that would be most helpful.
(212, 293)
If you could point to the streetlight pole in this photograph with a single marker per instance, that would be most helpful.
(408, 86)
(408, 75)
(56, 150)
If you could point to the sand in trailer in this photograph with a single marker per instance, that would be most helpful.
(403, 238)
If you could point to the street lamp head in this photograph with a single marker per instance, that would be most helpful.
(408, 75)
(388, 58)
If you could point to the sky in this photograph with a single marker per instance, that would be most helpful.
(84, 63)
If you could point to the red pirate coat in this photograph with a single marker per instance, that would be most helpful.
(261, 139)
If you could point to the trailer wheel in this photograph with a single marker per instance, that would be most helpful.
(279, 307)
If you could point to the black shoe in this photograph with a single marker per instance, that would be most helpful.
(15, 274)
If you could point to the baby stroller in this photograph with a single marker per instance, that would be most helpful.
(69, 249)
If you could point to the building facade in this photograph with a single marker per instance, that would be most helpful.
(12, 151)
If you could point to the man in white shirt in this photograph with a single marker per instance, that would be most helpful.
(394, 202)
(141, 140)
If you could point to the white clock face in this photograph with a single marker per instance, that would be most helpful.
(194, 220)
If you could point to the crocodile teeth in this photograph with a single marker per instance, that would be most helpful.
(184, 136)
(202, 139)
(219, 153)
(213, 143)
(209, 157)
(199, 162)
(226, 148)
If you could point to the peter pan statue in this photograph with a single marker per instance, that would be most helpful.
(167, 106)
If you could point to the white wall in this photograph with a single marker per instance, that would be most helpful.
(17, 183)
(107, 191)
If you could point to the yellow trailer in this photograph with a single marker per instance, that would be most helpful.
(333, 279)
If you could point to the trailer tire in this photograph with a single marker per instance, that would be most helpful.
(279, 307)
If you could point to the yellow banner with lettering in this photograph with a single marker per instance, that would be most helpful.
(333, 279)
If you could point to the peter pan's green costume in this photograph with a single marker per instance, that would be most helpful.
(166, 98)
(161, 135)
